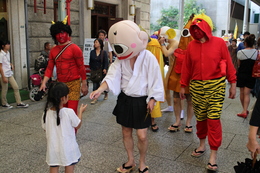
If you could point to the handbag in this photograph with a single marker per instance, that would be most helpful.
(256, 67)
(97, 75)
(179, 57)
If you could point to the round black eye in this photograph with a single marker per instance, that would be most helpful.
(185, 32)
(115, 33)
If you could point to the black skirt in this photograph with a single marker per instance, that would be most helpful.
(132, 112)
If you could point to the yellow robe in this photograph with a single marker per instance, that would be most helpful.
(155, 47)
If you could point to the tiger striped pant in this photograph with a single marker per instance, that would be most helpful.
(207, 99)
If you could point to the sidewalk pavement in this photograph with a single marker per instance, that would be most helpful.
(23, 142)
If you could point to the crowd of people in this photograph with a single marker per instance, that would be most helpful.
(137, 77)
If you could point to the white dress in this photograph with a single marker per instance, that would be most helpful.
(62, 147)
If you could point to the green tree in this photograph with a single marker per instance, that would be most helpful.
(191, 6)
(170, 16)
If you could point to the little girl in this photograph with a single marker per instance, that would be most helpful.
(59, 123)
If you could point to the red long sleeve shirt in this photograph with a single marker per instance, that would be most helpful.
(69, 65)
(202, 61)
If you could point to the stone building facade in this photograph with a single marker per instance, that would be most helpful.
(28, 29)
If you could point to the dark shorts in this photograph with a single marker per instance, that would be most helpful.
(68, 165)
(245, 80)
(132, 112)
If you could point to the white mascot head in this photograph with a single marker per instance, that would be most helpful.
(126, 39)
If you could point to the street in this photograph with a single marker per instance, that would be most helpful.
(23, 142)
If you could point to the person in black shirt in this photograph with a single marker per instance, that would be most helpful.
(252, 144)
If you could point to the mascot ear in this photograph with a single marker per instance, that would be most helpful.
(171, 33)
(143, 37)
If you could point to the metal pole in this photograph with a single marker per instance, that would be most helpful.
(61, 10)
(27, 42)
(181, 14)
(245, 21)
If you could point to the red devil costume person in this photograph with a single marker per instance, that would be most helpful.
(68, 59)
(205, 68)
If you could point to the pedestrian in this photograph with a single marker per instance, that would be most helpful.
(155, 48)
(241, 44)
(245, 81)
(205, 68)
(68, 59)
(46, 51)
(233, 52)
(59, 123)
(97, 61)
(135, 76)
(254, 130)
(167, 51)
(6, 71)
(102, 34)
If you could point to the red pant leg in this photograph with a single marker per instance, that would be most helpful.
(214, 133)
(202, 129)
(73, 104)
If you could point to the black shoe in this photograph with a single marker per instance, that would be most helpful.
(7, 106)
(22, 105)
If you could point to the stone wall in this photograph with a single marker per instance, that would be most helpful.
(39, 24)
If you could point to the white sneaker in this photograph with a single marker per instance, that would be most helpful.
(168, 109)
(7, 106)
(22, 105)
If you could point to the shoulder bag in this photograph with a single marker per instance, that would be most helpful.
(256, 67)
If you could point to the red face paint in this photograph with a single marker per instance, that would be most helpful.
(62, 37)
(198, 33)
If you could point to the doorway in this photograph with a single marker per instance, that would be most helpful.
(103, 17)
(3, 20)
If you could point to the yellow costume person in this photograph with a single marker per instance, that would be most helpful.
(166, 34)
(155, 47)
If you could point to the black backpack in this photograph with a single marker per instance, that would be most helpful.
(40, 62)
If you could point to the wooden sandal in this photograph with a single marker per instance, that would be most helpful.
(126, 169)
(211, 167)
(144, 170)
(188, 129)
(154, 127)
(173, 128)
(196, 153)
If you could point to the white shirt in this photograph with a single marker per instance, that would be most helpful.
(247, 54)
(6, 65)
(144, 80)
(62, 147)
(108, 46)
